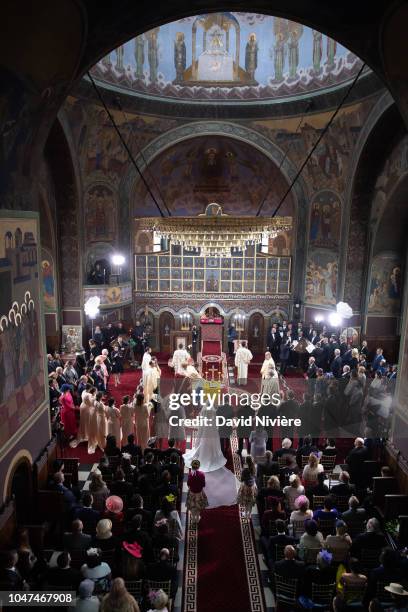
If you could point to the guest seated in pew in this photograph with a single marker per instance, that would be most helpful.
(172, 465)
(290, 468)
(389, 570)
(97, 570)
(273, 512)
(311, 539)
(272, 489)
(151, 449)
(305, 450)
(114, 512)
(339, 545)
(268, 543)
(344, 488)
(328, 511)
(98, 490)
(119, 599)
(136, 507)
(131, 448)
(356, 516)
(63, 575)
(289, 567)
(57, 466)
(355, 461)
(163, 570)
(167, 511)
(268, 468)
(373, 538)
(104, 538)
(104, 467)
(10, 577)
(323, 572)
(162, 539)
(149, 468)
(172, 449)
(353, 578)
(302, 512)
(321, 488)
(120, 487)
(292, 491)
(135, 533)
(111, 448)
(164, 486)
(285, 450)
(311, 471)
(330, 449)
(76, 539)
(87, 514)
(86, 600)
(69, 498)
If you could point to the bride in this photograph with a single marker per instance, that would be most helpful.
(207, 447)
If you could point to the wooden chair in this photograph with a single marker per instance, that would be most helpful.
(341, 502)
(271, 528)
(286, 590)
(383, 596)
(318, 501)
(278, 552)
(328, 462)
(327, 526)
(322, 595)
(370, 557)
(353, 596)
(382, 486)
(156, 585)
(77, 558)
(304, 460)
(310, 555)
(395, 505)
(298, 528)
(135, 588)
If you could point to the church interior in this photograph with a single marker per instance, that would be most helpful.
(203, 202)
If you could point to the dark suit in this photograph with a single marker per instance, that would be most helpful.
(11, 580)
(367, 540)
(290, 569)
(76, 541)
(89, 517)
(355, 461)
(274, 342)
(268, 545)
(342, 490)
(161, 571)
(63, 577)
(336, 366)
(244, 431)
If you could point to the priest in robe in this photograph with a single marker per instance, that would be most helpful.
(180, 356)
(151, 383)
(243, 357)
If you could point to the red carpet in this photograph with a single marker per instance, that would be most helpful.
(222, 582)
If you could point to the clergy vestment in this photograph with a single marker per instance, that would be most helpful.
(179, 356)
(152, 378)
(243, 358)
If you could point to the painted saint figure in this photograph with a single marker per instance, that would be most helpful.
(180, 56)
(251, 56)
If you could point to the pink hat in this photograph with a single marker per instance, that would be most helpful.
(114, 504)
(133, 548)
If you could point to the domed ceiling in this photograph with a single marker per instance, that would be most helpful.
(228, 56)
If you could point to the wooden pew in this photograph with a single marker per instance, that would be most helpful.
(394, 506)
(382, 486)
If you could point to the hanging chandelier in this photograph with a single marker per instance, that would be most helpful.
(214, 233)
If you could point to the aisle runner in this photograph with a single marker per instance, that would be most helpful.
(221, 566)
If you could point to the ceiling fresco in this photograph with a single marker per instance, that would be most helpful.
(228, 56)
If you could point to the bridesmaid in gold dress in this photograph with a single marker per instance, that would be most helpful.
(87, 402)
(127, 413)
(141, 420)
(93, 423)
(102, 422)
(113, 414)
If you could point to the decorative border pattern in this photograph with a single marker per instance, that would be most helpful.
(255, 587)
(190, 566)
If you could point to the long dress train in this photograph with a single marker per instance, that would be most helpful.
(207, 447)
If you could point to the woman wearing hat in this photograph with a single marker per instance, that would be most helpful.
(114, 507)
(196, 497)
(67, 413)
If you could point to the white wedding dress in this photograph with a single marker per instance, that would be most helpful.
(207, 447)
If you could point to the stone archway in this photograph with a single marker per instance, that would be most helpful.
(18, 483)
(253, 138)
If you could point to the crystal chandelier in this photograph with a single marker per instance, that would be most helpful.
(215, 234)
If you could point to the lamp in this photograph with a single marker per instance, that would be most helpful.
(335, 319)
(318, 318)
(91, 308)
(118, 260)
